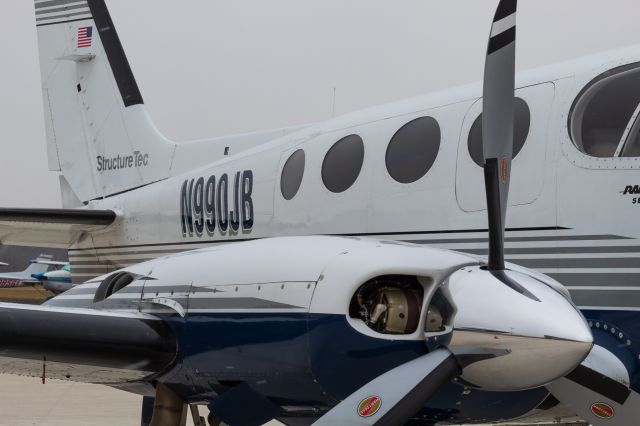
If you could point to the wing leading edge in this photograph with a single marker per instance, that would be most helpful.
(83, 344)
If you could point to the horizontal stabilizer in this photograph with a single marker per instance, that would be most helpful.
(50, 227)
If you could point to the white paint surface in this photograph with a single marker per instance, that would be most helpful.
(211, 68)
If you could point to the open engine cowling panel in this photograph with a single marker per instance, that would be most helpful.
(397, 305)
(389, 304)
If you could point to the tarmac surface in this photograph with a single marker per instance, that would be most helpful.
(25, 401)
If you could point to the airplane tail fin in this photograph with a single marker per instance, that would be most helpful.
(35, 267)
(99, 134)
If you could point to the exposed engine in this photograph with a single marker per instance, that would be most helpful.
(389, 304)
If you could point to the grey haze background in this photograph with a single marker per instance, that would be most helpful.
(210, 67)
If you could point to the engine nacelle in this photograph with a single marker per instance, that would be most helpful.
(349, 296)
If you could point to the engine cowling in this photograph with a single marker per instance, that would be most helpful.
(390, 293)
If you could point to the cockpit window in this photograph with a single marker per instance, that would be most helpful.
(632, 148)
(604, 118)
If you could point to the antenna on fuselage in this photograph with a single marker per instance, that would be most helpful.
(333, 102)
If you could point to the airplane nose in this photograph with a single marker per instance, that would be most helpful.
(530, 333)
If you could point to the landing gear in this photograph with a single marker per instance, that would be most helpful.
(168, 408)
(213, 420)
(195, 415)
(147, 410)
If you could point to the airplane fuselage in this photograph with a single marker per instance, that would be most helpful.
(563, 194)
(572, 217)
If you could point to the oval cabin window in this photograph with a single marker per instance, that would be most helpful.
(522, 124)
(292, 173)
(413, 150)
(604, 118)
(342, 164)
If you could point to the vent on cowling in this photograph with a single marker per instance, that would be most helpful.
(112, 284)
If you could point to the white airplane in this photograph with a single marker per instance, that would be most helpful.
(25, 277)
(57, 280)
(357, 290)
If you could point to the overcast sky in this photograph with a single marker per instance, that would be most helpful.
(209, 67)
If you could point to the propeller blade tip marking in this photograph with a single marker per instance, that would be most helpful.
(503, 30)
(505, 8)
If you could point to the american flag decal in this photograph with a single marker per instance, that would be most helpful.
(84, 37)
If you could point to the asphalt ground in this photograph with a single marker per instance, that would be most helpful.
(25, 401)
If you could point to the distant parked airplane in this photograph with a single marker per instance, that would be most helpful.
(24, 278)
(58, 280)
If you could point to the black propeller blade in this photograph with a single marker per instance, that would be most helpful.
(497, 124)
